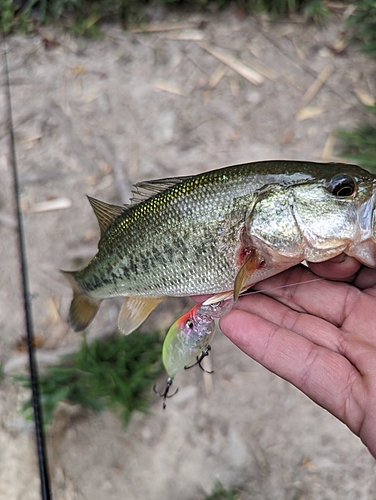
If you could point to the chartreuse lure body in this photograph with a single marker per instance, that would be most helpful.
(191, 335)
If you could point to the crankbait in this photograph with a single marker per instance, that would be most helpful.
(189, 339)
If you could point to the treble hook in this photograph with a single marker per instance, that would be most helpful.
(165, 395)
(203, 355)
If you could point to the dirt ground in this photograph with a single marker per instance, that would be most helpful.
(93, 117)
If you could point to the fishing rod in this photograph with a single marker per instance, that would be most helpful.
(38, 417)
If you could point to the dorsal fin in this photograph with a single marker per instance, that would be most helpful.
(105, 213)
(145, 189)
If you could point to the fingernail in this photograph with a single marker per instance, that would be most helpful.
(339, 259)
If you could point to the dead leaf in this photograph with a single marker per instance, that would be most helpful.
(78, 70)
(309, 112)
(340, 44)
(307, 463)
(365, 97)
(287, 136)
(22, 344)
(49, 43)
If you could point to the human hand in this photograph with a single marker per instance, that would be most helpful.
(320, 336)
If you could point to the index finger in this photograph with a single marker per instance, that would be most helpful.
(319, 372)
(303, 291)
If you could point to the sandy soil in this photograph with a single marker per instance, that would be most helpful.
(93, 117)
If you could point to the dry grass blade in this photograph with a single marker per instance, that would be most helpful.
(365, 97)
(308, 112)
(315, 87)
(155, 28)
(189, 34)
(235, 64)
(327, 153)
(261, 67)
(47, 206)
(171, 87)
(217, 76)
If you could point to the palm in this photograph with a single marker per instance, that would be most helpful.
(320, 336)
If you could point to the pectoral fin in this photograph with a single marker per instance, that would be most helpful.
(134, 311)
(251, 262)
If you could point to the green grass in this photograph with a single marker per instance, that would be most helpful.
(314, 10)
(13, 19)
(359, 144)
(363, 24)
(117, 373)
(83, 17)
(220, 493)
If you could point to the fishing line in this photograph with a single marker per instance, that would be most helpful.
(38, 420)
(281, 286)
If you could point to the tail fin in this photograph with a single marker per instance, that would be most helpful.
(82, 309)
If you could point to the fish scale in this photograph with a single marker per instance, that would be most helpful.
(196, 234)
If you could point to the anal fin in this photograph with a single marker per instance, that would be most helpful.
(134, 311)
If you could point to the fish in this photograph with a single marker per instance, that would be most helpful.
(190, 335)
(219, 232)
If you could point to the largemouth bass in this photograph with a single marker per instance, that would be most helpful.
(222, 231)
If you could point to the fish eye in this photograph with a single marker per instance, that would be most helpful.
(189, 324)
(342, 185)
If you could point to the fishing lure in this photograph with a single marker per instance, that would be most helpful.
(189, 339)
(190, 336)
